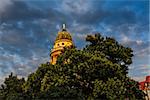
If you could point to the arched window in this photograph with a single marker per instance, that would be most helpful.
(52, 58)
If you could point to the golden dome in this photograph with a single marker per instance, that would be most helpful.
(63, 34)
(63, 39)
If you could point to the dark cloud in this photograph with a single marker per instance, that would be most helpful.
(19, 10)
(28, 28)
(99, 14)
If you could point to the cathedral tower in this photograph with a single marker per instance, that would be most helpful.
(63, 39)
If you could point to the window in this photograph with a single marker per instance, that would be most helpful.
(62, 43)
(56, 56)
(52, 58)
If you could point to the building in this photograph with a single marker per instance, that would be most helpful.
(145, 86)
(63, 39)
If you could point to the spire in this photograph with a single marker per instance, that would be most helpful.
(63, 27)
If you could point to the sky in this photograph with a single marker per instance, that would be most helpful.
(28, 29)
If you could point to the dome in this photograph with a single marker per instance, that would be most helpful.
(63, 34)
(63, 39)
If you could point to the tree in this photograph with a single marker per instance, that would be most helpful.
(117, 54)
(98, 71)
(112, 50)
(132, 90)
(12, 88)
(33, 84)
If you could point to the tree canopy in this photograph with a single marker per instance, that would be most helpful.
(98, 71)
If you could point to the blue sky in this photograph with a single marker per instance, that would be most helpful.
(28, 29)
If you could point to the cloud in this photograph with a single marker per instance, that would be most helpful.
(141, 53)
(139, 42)
(78, 6)
(24, 42)
(28, 29)
(139, 78)
(4, 4)
(143, 68)
(19, 10)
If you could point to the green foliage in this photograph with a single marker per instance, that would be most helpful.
(112, 50)
(99, 71)
(33, 84)
(112, 89)
(12, 90)
(132, 90)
